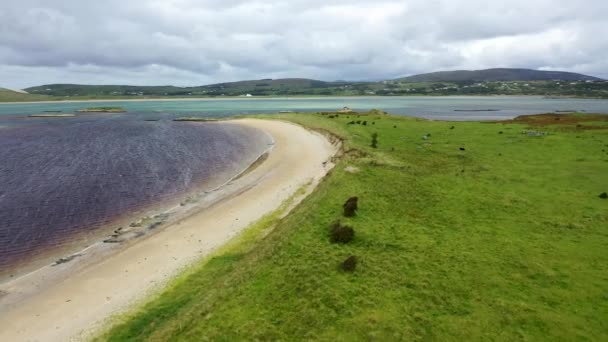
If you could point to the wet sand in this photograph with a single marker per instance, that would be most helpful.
(72, 300)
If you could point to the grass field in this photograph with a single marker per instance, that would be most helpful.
(465, 231)
(13, 96)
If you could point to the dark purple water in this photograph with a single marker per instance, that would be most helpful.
(62, 177)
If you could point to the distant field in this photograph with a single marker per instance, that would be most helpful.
(466, 231)
(12, 96)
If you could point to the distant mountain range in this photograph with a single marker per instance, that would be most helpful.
(461, 82)
(498, 74)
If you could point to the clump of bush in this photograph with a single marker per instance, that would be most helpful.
(375, 140)
(341, 234)
(350, 264)
(604, 195)
(351, 206)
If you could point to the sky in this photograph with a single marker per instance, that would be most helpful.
(196, 42)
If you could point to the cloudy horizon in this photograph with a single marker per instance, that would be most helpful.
(187, 42)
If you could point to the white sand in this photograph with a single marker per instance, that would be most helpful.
(71, 301)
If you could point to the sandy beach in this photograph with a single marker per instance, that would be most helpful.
(73, 300)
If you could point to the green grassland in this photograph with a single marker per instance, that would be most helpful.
(13, 96)
(465, 231)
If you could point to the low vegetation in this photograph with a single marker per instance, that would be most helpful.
(350, 264)
(465, 234)
(341, 234)
(351, 206)
(102, 110)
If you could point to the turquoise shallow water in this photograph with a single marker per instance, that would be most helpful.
(440, 108)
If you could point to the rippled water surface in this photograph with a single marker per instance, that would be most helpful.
(63, 176)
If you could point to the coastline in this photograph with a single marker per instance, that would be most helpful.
(73, 299)
(153, 217)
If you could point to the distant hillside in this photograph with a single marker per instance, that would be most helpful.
(103, 90)
(481, 82)
(287, 86)
(492, 75)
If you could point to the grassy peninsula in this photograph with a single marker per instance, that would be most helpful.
(465, 231)
(102, 110)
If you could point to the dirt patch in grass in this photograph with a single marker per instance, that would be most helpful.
(576, 120)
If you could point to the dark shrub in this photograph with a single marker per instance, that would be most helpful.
(341, 234)
(375, 140)
(364, 123)
(358, 122)
(349, 264)
(604, 195)
(452, 127)
(462, 149)
(351, 206)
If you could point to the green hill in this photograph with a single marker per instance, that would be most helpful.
(499, 74)
(480, 82)
(287, 86)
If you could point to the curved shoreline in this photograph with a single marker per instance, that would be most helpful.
(137, 223)
(91, 292)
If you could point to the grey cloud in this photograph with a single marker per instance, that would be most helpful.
(188, 42)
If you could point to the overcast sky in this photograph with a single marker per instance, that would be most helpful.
(194, 42)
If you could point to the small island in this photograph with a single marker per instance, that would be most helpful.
(103, 110)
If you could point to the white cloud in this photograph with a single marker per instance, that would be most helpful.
(188, 42)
